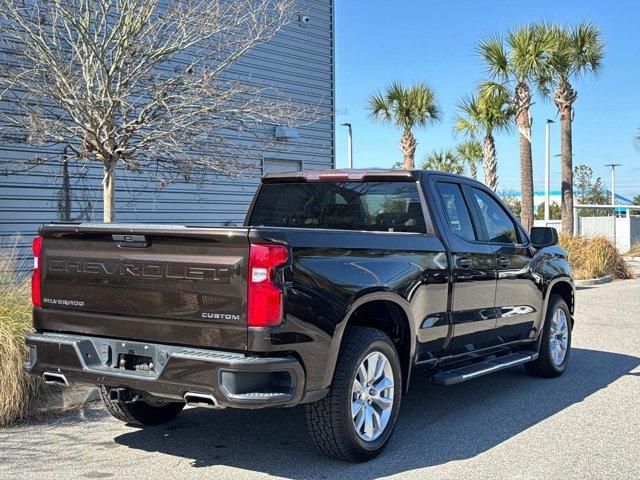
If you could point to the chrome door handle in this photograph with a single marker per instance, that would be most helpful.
(503, 262)
(464, 262)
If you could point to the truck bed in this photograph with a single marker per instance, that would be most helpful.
(157, 283)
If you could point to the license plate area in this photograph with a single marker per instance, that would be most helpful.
(136, 363)
(135, 357)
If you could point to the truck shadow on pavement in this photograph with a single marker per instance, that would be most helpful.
(436, 425)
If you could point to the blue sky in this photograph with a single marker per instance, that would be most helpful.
(411, 40)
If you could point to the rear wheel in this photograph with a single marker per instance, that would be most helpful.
(555, 345)
(140, 413)
(356, 419)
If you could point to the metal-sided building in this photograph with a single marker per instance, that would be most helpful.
(299, 62)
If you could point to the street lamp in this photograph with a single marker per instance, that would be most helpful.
(547, 168)
(613, 181)
(349, 145)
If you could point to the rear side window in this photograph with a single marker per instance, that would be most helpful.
(373, 206)
(456, 210)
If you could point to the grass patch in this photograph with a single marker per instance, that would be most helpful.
(594, 258)
(635, 251)
(19, 392)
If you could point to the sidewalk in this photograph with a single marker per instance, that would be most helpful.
(634, 263)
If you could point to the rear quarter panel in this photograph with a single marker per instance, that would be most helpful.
(332, 272)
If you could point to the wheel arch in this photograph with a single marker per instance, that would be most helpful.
(564, 287)
(384, 311)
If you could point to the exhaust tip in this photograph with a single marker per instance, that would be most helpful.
(52, 378)
(201, 400)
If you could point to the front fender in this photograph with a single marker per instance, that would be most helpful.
(551, 268)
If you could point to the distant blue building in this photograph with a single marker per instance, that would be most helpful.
(555, 196)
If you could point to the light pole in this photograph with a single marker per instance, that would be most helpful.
(349, 145)
(613, 197)
(613, 180)
(547, 169)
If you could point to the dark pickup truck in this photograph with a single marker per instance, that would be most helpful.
(338, 286)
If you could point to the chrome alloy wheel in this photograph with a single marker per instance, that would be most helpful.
(372, 396)
(559, 337)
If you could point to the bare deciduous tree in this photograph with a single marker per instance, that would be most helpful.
(144, 84)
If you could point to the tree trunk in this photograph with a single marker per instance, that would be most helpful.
(564, 98)
(408, 145)
(473, 170)
(567, 171)
(108, 192)
(490, 162)
(523, 101)
(64, 203)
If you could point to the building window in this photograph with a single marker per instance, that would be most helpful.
(274, 165)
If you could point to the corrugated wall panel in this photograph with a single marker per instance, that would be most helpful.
(299, 61)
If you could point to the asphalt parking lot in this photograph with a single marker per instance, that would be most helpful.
(585, 424)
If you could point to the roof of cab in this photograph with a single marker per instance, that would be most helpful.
(350, 175)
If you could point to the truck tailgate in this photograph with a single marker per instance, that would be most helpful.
(165, 284)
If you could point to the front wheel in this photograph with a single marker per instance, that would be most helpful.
(555, 345)
(355, 420)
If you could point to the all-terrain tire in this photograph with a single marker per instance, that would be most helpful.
(330, 420)
(544, 366)
(140, 413)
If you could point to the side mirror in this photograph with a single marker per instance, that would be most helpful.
(543, 236)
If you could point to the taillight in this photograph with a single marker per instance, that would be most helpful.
(264, 297)
(35, 276)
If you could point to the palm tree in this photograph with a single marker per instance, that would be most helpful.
(471, 152)
(518, 59)
(483, 113)
(576, 52)
(444, 161)
(406, 107)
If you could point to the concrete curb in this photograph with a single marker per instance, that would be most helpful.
(594, 281)
(60, 399)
